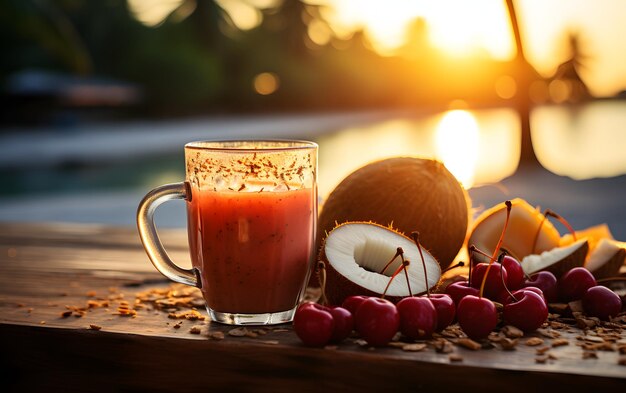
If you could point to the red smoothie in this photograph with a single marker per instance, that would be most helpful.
(252, 248)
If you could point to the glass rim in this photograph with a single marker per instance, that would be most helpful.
(246, 145)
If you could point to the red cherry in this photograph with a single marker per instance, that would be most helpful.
(514, 271)
(545, 281)
(601, 302)
(477, 316)
(446, 310)
(418, 317)
(344, 323)
(351, 303)
(458, 290)
(574, 283)
(377, 321)
(528, 313)
(313, 324)
(493, 285)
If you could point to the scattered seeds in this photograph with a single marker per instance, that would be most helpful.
(414, 347)
(508, 344)
(94, 327)
(216, 335)
(455, 357)
(512, 332)
(195, 330)
(238, 332)
(534, 341)
(559, 342)
(468, 343)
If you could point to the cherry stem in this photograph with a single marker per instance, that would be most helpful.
(502, 277)
(416, 238)
(406, 263)
(497, 249)
(321, 274)
(398, 270)
(481, 252)
(399, 251)
(563, 221)
(471, 262)
(460, 264)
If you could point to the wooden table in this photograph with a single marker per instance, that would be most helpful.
(46, 267)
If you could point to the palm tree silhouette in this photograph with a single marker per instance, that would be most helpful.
(524, 76)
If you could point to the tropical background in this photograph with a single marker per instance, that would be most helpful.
(98, 97)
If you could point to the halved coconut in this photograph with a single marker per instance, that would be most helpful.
(606, 259)
(558, 260)
(355, 253)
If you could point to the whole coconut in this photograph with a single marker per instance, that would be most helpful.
(411, 194)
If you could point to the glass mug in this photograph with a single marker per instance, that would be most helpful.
(251, 222)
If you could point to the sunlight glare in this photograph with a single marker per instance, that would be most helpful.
(457, 145)
(153, 12)
(245, 16)
(458, 27)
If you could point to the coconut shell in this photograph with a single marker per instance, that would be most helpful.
(611, 267)
(410, 194)
(575, 259)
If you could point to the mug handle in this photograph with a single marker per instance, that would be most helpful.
(150, 239)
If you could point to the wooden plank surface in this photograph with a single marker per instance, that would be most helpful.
(47, 270)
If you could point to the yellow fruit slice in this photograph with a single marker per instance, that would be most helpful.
(593, 235)
(524, 223)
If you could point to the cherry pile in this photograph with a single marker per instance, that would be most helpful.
(497, 292)
(377, 320)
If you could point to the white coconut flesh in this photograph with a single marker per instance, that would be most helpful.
(536, 262)
(359, 252)
(602, 253)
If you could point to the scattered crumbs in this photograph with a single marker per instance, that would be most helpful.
(195, 330)
(280, 330)
(542, 350)
(512, 332)
(91, 294)
(534, 341)
(468, 343)
(238, 332)
(331, 347)
(20, 305)
(66, 313)
(589, 355)
(443, 346)
(178, 324)
(455, 357)
(216, 335)
(64, 294)
(416, 347)
(360, 342)
(94, 327)
(508, 344)
(30, 310)
(559, 342)
(541, 359)
(269, 342)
